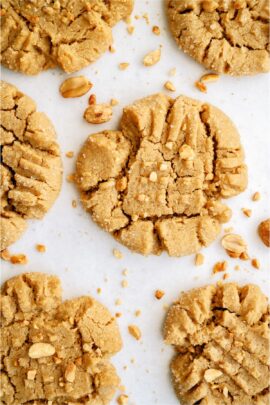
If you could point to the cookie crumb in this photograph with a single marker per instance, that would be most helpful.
(99, 290)
(256, 196)
(31, 375)
(69, 154)
(234, 245)
(159, 294)
(156, 30)
(201, 86)
(152, 58)
(122, 399)
(146, 18)
(199, 259)
(255, 263)
(41, 248)
(5, 255)
(135, 331)
(19, 259)
(125, 272)
(138, 312)
(130, 29)
(247, 212)
(118, 314)
(169, 86)
(98, 113)
(225, 276)
(71, 178)
(118, 301)
(123, 65)
(74, 203)
(220, 266)
(244, 256)
(114, 102)
(237, 267)
(70, 372)
(117, 254)
(112, 49)
(124, 283)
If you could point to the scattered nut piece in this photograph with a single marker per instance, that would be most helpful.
(99, 290)
(212, 374)
(135, 331)
(209, 77)
(199, 259)
(234, 245)
(114, 102)
(247, 212)
(219, 267)
(244, 256)
(153, 177)
(125, 272)
(256, 196)
(117, 254)
(159, 294)
(112, 49)
(255, 263)
(152, 58)
(19, 259)
(98, 113)
(71, 178)
(201, 86)
(124, 283)
(70, 372)
(225, 276)
(31, 374)
(74, 203)
(38, 350)
(264, 232)
(156, 30)
(118, 314)
(123, 65)
(118, 301)
(41, 248)
(146, 18)
(169, 86)
(130, 29)
(122, 399)
(172, 72)
(5, 255)
(138, 312)
(92, 99)
(69, 154)
(75, 87)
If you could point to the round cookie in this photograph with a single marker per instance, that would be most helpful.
(225, 36)
(31, 167)
(156, 184)
(52, 351)
(71, 34)
(221, 337)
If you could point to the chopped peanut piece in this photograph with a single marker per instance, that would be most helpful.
(256, 196)
(135, 331)
(209, 77)
(5, 255)
(38, 350)
(69, 154)
(19, 259)
(74, 203)
(41, 248)
(234, 245)
(70, 372)
(199, 259)
(92, 99)
(169, 86)
(152, 58)
(255, 263)
(247, 212)
(153, 177)
(124, 283)
(122, 399)
(159, 294)
(201, 86)
(219, 267)
(130, 29)
(98, 113)
(114, 102)
(117, 254)
(138, 312)
(156, 30)
(123, 65)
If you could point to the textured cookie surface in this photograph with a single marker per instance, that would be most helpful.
(55, 352)
(156, 184)
(225, 36)
(31, 168)
(38, 35)
(221, 337)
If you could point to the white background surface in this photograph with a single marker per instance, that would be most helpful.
(80, 253)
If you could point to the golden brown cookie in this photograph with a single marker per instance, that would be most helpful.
(31, 168)
(225, 36)
(55, 352)
(156, 184)
(38, 35)
(221, 337)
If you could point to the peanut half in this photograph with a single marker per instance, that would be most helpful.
(38, 350)
(75, 87)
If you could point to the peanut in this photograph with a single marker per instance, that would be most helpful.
(98, 113)
(75, 87)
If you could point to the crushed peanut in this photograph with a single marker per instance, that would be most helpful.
(156, 30)
(92, 99)
(152, 58)
(69, 154)
(41, 248)
(18, 259)
(98, 113)
(169, 86)
(124, 283)
(130, 29)
(209, 77)
(118, 302)
(255, 263)
(71, 178)
(247, 212)
(201, 86)
(234, 245)
(75, 87)
(74, 203)
(123, 65)
(256, 196)
(219, 267)
(122, 399)
(159, 294)
(135, 331)
(5, 255)
(117, 254)
(199, 259)
(138, 312)
(186, 152)
(114, 102)
(225, 276)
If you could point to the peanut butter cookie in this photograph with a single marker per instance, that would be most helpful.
(225, 36)
(221, 337)
(38, 35)
(31, 168)
(55, 352)
(157, 183)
